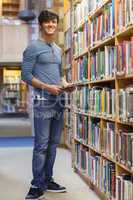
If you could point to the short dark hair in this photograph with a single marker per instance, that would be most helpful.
(46, 16)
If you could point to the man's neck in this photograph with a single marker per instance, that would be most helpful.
(48, 38)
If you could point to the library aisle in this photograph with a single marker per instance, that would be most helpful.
(15, 174)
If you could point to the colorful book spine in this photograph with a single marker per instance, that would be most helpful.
(82, 128)
(102, 26)
(80, 98)
(101, 172)
(102, 101)
(93, 168)
(81, 40)
(124, 187)
(125, 104)
(94, 133)
(109, 140)
(103, 63)
(80, 69)
(93, 5)
(124, 148)
(124, 58)
(67, 42)
(80, 13)
(81, 157)
(125, 13)
(108, 178)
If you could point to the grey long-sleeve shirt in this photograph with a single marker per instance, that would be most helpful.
(42, 61)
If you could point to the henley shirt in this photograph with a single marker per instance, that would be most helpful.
(42, 61)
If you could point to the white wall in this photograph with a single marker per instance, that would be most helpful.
(13, 40)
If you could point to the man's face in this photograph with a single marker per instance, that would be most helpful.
(50, 27)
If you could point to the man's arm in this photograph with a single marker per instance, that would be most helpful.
(55, 90)
(29, 60)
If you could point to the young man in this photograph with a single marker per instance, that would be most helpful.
(41, 68)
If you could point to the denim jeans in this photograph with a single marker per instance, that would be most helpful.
(48, 124)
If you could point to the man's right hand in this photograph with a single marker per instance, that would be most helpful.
(54, 89)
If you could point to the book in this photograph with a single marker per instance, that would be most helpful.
(125, 104)
(94, 133)
(124, 150)
(81, 132)
(102, 101)
(103, 63)
(65, 85)
(124, 187)
(102, 26)
(109, 140)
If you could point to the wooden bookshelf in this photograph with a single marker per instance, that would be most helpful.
(67, 57)
(9, 8)
(84, 52)
(106, 41)
(100, 124)
(98, 10)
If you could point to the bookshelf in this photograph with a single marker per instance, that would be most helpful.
(9, 8)
(13, 92)
(101, 105)
(67, 58)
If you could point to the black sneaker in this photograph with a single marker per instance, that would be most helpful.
(55, 187)
(35, 193)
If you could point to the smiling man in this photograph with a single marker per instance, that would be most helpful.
(41, 68)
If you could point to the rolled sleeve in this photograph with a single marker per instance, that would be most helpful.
(29, 59)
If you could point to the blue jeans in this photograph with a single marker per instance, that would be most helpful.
(48, 124)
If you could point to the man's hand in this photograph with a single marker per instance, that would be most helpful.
(54, 89)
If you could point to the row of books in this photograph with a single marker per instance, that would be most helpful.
(12, 79)
(67, 36)
(111, 60)
(124, 13)
(9, 107)
(125, 57)
(108, 180)
(12, 87)
(103, 63)
(124, 187)
(80, 13)
(102, 101)
(81, 127)
(109, 140)
(80, 98)
(125, 103)
(101, 172)
(124, 148)
(93, 5)
(67, 58)
(117, 145)
(82, 9)
(11, 94)
(102, 26)
(67, 20)
(94, 137)
(80, 69)
(81, 40)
